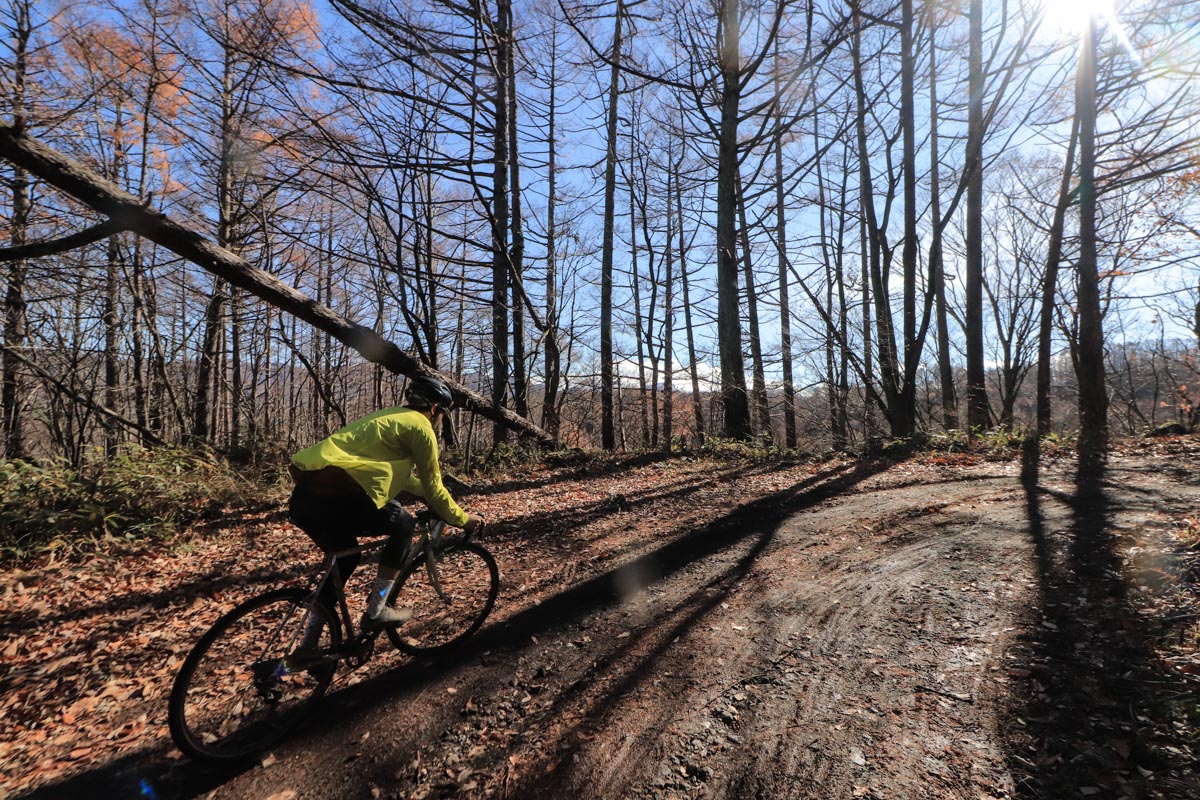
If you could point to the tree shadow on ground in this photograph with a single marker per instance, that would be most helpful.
(667, 626)
(585, 466)
(154, 774)
(569, 466)
(1086, 721)
(544, 523)
(222, 575)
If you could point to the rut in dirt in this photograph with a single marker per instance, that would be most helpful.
(844, 649)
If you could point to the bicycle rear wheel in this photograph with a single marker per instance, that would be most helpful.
(469, 582)
(243, 687)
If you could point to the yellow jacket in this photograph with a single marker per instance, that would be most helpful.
(380, 451)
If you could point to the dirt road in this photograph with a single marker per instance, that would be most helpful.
(943, 627)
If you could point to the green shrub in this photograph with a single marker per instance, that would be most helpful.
(998, 442)
(951, 441)
(140, 494)
(755, 450)
(510, 454)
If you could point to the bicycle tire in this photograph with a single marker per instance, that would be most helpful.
(236, 692)
(470, 579)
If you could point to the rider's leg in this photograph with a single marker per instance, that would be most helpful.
(329, 522)
(398, 523)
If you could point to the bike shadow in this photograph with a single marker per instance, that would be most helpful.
(160, 774)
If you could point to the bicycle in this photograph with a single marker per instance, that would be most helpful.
(245, 684)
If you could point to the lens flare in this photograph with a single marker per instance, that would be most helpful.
(1070, 16)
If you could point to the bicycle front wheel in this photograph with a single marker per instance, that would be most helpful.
(244, 685)
(450, 600)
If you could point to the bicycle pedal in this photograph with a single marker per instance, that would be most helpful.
(364, 648)
(269, 670)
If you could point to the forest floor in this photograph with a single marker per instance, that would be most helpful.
(939, 626)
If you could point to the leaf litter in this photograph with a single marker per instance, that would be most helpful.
(92, 646)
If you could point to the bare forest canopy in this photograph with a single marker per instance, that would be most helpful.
(126, 212)
(614, 224)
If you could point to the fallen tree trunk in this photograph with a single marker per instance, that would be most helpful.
(128, 213)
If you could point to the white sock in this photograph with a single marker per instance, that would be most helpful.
(314, 625)
(379, 596)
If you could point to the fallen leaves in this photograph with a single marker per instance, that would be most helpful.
(92, 650)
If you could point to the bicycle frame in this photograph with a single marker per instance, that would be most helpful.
(429, 531)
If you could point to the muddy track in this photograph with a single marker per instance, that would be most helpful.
(846, 634)
(804, 674)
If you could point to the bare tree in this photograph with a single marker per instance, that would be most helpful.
(19, 27)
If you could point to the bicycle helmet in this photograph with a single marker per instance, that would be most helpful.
(424, 392)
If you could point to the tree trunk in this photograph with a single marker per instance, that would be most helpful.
(112, 360)
(1050, 283)
(1093, 395)
(842, 428)
(12, 386)
(693, 361)
(652, 353)
(520, 377)
(669, 323)
(237, 387)
(12, 389)
(1196, 316)
(638, 322)
(937, 267)
(214, 312)
(501, 262)
(553, 356)
(977, 401)
(904, 411)
(868, 359)
(785, 308)
(762, 411)
(837, 435)
(208, 357)
(733, 375)
(137, 314)
(607, 432)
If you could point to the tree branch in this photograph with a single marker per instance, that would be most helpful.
(56, 246)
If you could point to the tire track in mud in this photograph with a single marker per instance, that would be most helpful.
(850, 659)
(892, 636)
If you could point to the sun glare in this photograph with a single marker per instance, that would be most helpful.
(1070, 16)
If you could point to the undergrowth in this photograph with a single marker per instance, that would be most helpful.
(140, 494)
(730, 449)
(997, 442)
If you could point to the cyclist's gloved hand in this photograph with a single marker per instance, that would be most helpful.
(474, 523)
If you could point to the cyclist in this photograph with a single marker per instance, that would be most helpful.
(347, 484)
